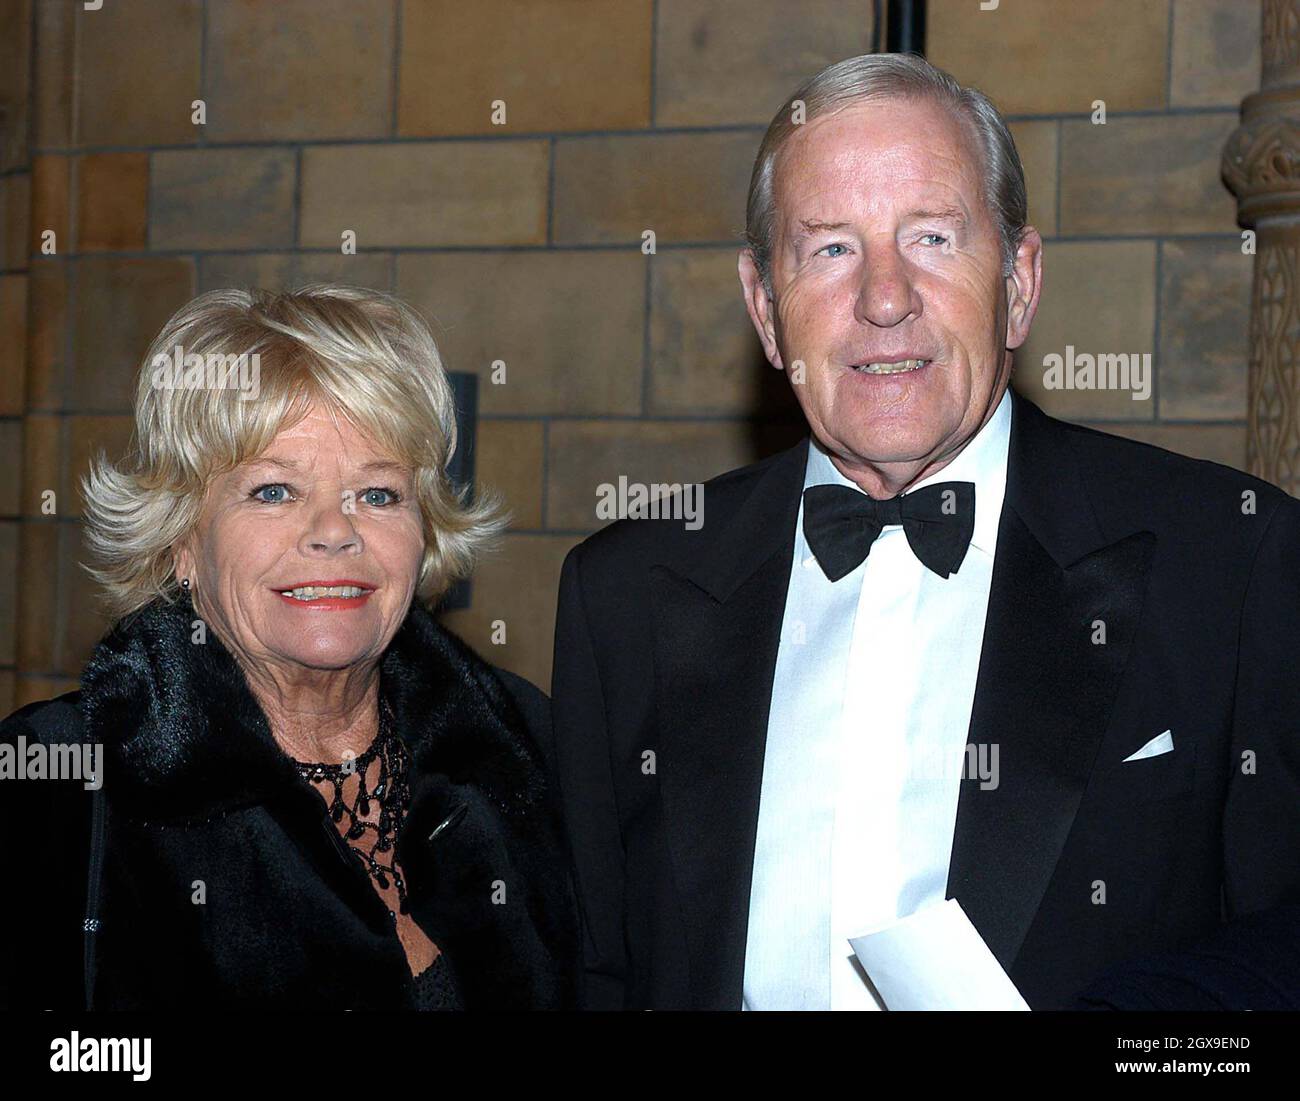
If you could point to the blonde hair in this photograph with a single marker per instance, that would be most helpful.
(364, 355)
(872, 78)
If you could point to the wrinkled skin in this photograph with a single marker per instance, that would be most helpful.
(265, 528)
(884, 248)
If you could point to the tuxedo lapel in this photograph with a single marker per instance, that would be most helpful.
(1046, 683)
(717, 626)
(1043, 695)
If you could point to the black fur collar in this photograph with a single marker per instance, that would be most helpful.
(185, 740)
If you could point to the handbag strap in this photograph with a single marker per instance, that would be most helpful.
(94, 884)
(59, 722)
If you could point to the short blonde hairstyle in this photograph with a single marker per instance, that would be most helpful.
(365, 356)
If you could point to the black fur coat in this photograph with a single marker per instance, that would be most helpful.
(224, 881)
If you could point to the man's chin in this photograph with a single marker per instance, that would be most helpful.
(883, 449)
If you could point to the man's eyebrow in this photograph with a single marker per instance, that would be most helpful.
(812, 225)
(809, 226)
(942, 213)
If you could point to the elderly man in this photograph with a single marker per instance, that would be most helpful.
(947, 648)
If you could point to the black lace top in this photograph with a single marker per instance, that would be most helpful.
(435, 987)
(372, 792)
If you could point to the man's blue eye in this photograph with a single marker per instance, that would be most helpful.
(829, 247)
(938, 237)
(279, 493)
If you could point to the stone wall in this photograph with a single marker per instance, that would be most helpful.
(522, 242)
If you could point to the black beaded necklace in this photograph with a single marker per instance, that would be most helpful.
(392, 790)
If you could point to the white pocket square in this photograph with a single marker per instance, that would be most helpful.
(1161, 743)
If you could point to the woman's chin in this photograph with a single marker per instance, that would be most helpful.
(328, 649)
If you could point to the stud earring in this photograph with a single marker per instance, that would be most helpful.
(185, 583)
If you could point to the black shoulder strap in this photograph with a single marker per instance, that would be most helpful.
(94, 880)
(59, 721)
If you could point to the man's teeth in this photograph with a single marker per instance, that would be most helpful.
(890, 368)
(313, 592)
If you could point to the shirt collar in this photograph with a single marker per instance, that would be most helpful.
(983, 461)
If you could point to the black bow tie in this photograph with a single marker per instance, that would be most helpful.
(840, 524)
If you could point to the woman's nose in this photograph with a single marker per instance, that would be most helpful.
(330, 528)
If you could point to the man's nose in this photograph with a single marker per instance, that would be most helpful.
(330, 528)
(886, 295)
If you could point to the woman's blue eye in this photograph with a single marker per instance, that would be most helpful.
(392, 494)
(279, 493)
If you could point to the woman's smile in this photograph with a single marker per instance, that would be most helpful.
(326, 595)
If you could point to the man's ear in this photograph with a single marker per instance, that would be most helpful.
(1024, 285)
(762, 311)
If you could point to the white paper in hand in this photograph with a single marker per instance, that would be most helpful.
(936, 959)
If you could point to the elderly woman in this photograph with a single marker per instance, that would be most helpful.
(312, 794)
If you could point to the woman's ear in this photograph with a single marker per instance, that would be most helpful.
(182, 560)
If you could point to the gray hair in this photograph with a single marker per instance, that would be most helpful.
(873, 78)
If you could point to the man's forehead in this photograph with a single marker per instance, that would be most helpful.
(894, 135)
(878, 153)
(888, 123)
(827, 209)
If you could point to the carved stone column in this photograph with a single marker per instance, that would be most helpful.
(1261, 163)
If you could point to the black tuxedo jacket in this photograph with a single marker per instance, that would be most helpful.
(666, 643)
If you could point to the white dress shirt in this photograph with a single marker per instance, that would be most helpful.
(871, 705)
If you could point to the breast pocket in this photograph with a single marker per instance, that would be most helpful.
(1149, 779)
